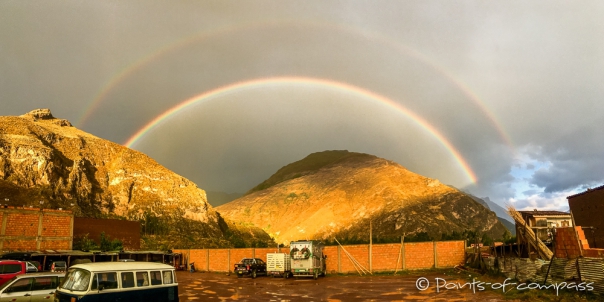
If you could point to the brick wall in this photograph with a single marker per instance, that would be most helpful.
(571, 243)
(419, 255)
(129, 232)
(588, 209)
(450, 253)
(30, 229)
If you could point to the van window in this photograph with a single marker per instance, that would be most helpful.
(142, 279)
(23, 285)
(104, 281)
(156, 278)
(127, 279)
(76, 279)
(10, 268)
(168, 277)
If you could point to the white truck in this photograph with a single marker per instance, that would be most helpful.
(307, 259)
(278, 265)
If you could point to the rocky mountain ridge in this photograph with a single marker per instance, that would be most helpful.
(45, 158)
(336, 193)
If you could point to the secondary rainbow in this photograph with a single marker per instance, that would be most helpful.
(260, 82)
(346, 28)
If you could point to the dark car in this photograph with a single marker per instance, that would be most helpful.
(250, 267)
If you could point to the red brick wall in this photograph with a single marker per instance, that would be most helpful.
(567, 245)
(385, 257)
(450, 253)
(22, 224)
(56, 226)
(238, 254)
(419, 255)
(332, 258)
(23, 231)
(19, 245)
(588, 209)
(359, 252)
(218, 260)
(129, 232)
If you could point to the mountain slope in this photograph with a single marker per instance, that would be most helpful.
(45, 158)
(337, 193)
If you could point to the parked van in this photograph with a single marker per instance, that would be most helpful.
(307, 259)
(113, 281)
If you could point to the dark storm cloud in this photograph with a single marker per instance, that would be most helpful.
(480, 73)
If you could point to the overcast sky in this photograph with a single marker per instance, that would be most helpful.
(507, 91)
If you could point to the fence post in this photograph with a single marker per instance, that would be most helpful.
(339, 261)
(435, 255)
(403, 254)
(207, 260)
(228, 259)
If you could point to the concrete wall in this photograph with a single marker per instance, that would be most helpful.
(33, 229)
(129, 232)
(384, 257)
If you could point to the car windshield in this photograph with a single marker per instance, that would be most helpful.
(247, 261)
(76, 279)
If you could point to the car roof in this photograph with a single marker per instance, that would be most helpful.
(10, 261)
(121, 266)
(41, 274)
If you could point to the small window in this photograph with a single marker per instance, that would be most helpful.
(142, 279)
(23, 285)
(104, 281)
(156, 278)
(127, 280)
(168, 277)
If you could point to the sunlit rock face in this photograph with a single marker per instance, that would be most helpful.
(336, 193)
(42, 157)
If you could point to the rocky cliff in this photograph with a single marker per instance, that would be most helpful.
(43, 158)
(336, 193)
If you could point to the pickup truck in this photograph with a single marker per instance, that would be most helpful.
(250, 267)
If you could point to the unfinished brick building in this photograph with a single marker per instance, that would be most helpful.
(33, 229)
(588, 209)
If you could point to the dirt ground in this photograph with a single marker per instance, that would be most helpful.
(223, 287)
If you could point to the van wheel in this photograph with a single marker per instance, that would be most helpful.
(254, 274)
(315, 275)
(286, 275)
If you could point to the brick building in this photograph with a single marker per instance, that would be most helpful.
(32, 229)
(129, 232)
(588, 209)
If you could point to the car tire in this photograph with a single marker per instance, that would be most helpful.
(239, 276)
(254, 274)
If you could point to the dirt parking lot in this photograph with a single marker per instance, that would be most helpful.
(223, 287)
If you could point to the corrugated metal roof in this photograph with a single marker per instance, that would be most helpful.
(544, 213)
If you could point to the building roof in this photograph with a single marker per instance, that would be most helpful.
(587, 191)
(544, 213)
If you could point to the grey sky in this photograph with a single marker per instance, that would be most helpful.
(515, 87)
